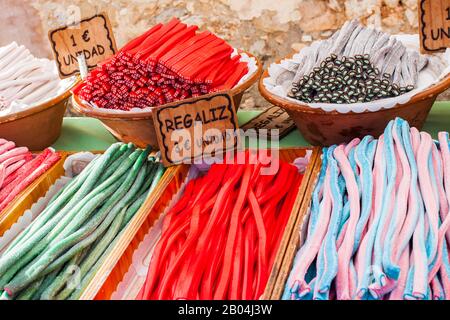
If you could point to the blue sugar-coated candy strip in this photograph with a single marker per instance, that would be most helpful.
(392, 269)
(289, 290)
(363, 285)
(328, 258)
(316, 193)
(432, 238)
(391, 170)
(365, 152)
(408, 293)
(413, 189)
(422, 267)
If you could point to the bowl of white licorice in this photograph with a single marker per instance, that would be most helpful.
(33, 99)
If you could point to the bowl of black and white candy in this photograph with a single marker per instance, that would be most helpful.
(355, 82)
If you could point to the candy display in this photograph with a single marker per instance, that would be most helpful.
(357, 65)
(169, 62)
(79, 226)
(378, 221)
(220, 239)
(26, 80)
(19, 168)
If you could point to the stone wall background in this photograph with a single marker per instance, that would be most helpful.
(267, 28)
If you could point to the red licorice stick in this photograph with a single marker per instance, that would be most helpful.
(189, 54)
(155, 36)
(193, 277)
(262, 241)
(173, 268)
(237, 74)
(223, 281)
(203, 69)
(186, 48)
(249, 261)
(144, 53)
(216, 250)
(203, 73)
(189, 61)
(238, 264)
(137, 41)
(174, 41)
(226, 71)
(232, 176)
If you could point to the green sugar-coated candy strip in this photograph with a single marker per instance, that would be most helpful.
(62, 278)
(10, 258)
(51, 208)
(48, 280)
(37, 267)
(33, 251)
(96, 251)
(94, 188)
(135, 166)
(123, 203)
(38, 250)
(117, 163)
(28, 293)
(42, 237)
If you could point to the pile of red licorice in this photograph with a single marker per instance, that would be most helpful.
(18, 169)
(219, 241)
(167, 63)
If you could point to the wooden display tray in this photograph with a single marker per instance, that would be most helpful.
(107, 280)
(40, 187)
(298, 235)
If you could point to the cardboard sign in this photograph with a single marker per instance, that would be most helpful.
(92, 37)
(272, 118)
(434, 25)
(197, 127)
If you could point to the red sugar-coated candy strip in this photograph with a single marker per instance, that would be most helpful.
(26, 180)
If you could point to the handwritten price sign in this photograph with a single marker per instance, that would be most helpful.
(92, 38)
(434, 25)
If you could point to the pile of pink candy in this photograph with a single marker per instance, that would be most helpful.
(379, 221)
(19, 168)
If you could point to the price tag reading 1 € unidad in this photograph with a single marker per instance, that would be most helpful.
(92, 38)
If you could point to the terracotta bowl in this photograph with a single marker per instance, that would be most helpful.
(39, 127)
(137, 127)
(326, 128)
